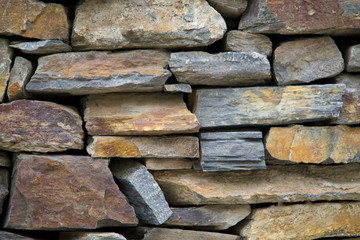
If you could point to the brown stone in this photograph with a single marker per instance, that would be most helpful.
(229, 8)
(6, 54)
(4, 160)
(65, 192)
(19, 76)
(304, 221)
(167, 163)
(295, 183)
(4, 186)
(144, 147)
(138, 114)
(34, 19)
(39, 126)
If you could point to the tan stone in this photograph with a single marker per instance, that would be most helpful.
(6, 54)
(138, 114)
(167, 163)
(229, 8)
(304, 221)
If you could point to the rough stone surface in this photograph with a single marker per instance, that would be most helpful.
(352, 59)
(167, 163)
(307, 60)
(65, 192)
(208, 217)
(142, 191)
(230, 150)
(138, 114)
(39, 126)
(144, 147)
(4, 186)
(295, 183)
(267, 105)
(12, 236)
(239, 41)
(308, 221)
(5, 63)
(19, 77)
(137, 24)
(179, 87)
(302, 17)
(91, 236)
(34, 19)
(301, 144)
(81, 73)
(222, 69)
(229, 8)
(4, 160)
(41, 47)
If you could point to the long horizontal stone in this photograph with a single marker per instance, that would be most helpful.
(12, 236)
(267, 105)
(222, 69)
(6, 55)
(4, 186)
(295, 183)
(301, 144)
(19, 76)
(138, 114)
(91, 236)
(41, 47)
(229, 8)
(304, 221)
(65, 192)
(167, 163)
(178, 87)
(39, 126)
(156, 24)
(302, 17)
(144, 147)
(82, 73)
(352, 58)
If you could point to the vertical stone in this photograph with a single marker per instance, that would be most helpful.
(19, 76)
(6, 54)
(352, 58)
(4, 186)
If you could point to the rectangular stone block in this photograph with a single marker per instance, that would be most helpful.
(352, 58)
(167, 163)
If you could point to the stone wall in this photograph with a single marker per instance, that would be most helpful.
(162, 120)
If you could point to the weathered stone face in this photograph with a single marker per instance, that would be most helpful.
(39, 126)
(41, 47)
(81, 73)
(4, 186)
(229, 8)
(352, 59)
(143, 24)
(12, 236)
(302, 17)
(65, 192)
(91, 236)
(167, 163)
(178, 87)
(6, 54)
(19, 76)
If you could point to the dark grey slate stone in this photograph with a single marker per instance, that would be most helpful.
(41, 47)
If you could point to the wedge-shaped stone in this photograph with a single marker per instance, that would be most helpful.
(143, 24)
(295, 183)
(41, 47)
(5, 63)
(167, 163)
(38, 126)
(307, 60)
(144, 147)
(352, 58)
(229, 8)
(302, 17)
(304, 221)
(65, 192)
(178, 87)
(34, 19)
(4, 186)
(138, 114)
(91, 236)
(12, 236)
(19, 76)
(142, 191)
(267, 105)
(208, 217)
(222, 69)
(81, 73)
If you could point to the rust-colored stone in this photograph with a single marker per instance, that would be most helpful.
(19, 76)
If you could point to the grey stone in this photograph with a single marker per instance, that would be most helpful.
(4, 160)
(12, 236)
(222, 69)
(239, 41)
(229, 8)
(352, 58)
(41, 47)
(179, 87)
(91, 236)
(19, 76)
(4, 186)
(6, 55)
(142, 191)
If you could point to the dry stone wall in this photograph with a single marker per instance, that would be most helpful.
(179, 119)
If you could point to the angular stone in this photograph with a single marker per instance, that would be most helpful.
(12, 236)
(232, 150)
(307, 60)
(295, 183)
(138, 114)
(301, 144)
(352, 59)
(38, 126)
(91, 236)
(65, 192)
(4, 160)
(304, 221)
(302, 17)
(6, 54)
(142, 191)
(208, 217)
(82, 73)
(34, 19)
(222, 69)
(4, 186)
(144, 147)
(41, 47)
(179, 87)
(267, 105)
(19, 77)
(229, 8)
(239, 41)
(167, 163)
(137, 24)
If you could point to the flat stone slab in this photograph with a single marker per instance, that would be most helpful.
(138, 114)
(302, 17)
(157, 24)
(178, 87)
(295, 183)
(12, 236)
(167, 163)
(352, 58)
(41, 47)
(6, 55)
(144, 147)
(82, 73)
(222, 69)
(91, 236)
(65, 192)
(229, 8)
(39, 126)
(19, 76)
(307, 60)
(4, 186)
